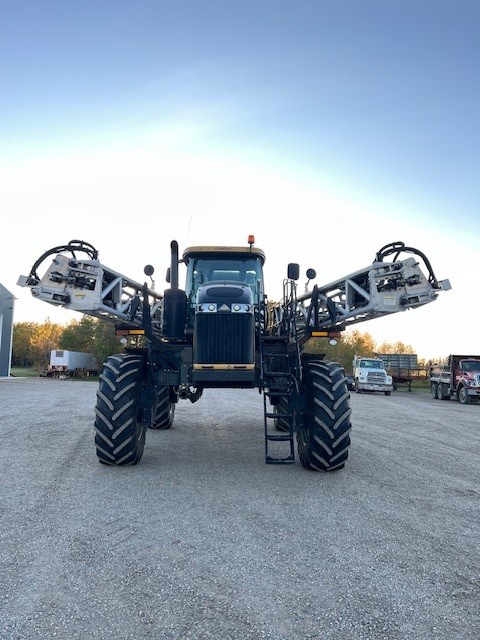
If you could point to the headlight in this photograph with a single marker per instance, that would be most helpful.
(207, 308)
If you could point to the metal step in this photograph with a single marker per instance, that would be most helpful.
(284, 437)
(288, 460)
(274, 349)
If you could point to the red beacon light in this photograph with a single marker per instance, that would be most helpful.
(251, 240)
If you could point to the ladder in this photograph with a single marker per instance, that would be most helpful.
(278, 383)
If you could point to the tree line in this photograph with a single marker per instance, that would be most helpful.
(352, 343)
(33, 342)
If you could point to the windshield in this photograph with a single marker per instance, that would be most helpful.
(241, 270)
(371, 364)
(470, 365)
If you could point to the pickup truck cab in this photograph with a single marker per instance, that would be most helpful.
(369, 375)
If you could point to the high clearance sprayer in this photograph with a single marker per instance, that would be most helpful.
(220, 331)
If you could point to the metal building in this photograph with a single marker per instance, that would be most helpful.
(7, 300)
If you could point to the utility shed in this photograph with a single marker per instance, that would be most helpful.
(6, 330)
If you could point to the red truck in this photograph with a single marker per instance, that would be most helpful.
(459, 378)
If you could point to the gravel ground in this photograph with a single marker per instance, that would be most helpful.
(203, 540)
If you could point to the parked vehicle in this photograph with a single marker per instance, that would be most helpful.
(401, 366)
(71, 364)
(220, 331)
(458, 378)
(369, 375)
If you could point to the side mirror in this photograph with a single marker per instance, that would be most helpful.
(148, 270)
(293, 272)
(311, 274)
(167, 276)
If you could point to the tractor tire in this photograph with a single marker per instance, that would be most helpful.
(323, 438)
(433, 389)
(119, 429)
(164, 410)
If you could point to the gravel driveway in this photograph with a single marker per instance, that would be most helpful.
(203, 540)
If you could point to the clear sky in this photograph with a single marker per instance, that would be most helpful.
(325, 128)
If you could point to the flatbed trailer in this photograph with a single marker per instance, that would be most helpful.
(401, 366)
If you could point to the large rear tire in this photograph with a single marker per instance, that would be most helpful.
(119, 428)
(164, 410)
(323, 438)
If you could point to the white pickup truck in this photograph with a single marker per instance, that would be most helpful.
(369, 375)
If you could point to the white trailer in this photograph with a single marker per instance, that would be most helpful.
(71, 363)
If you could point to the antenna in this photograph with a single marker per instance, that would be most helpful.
(188, 231)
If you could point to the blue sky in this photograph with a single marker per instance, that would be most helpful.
(327, 129)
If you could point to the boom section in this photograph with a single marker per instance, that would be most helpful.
(381, 289)
(92, 288)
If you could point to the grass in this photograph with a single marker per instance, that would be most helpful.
(24, 372)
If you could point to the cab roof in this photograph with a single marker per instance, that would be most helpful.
(204, 251)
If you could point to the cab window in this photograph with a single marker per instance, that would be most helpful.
(201, 270)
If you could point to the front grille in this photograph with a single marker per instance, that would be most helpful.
(375, 377)
(223, 338)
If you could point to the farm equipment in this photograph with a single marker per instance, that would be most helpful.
(221, 331)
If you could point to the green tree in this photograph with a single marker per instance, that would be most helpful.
(21, 349)
(362, 343)
(33, 342)
(106, 342)
(78, 335)
(91, 335)
(44, 338)
(349, 344)
(396, 347)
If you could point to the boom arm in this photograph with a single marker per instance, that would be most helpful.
(382, 288)
(91, 288)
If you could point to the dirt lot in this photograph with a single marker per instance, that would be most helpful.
(203, 540)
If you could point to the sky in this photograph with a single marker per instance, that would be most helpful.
(327, 129)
